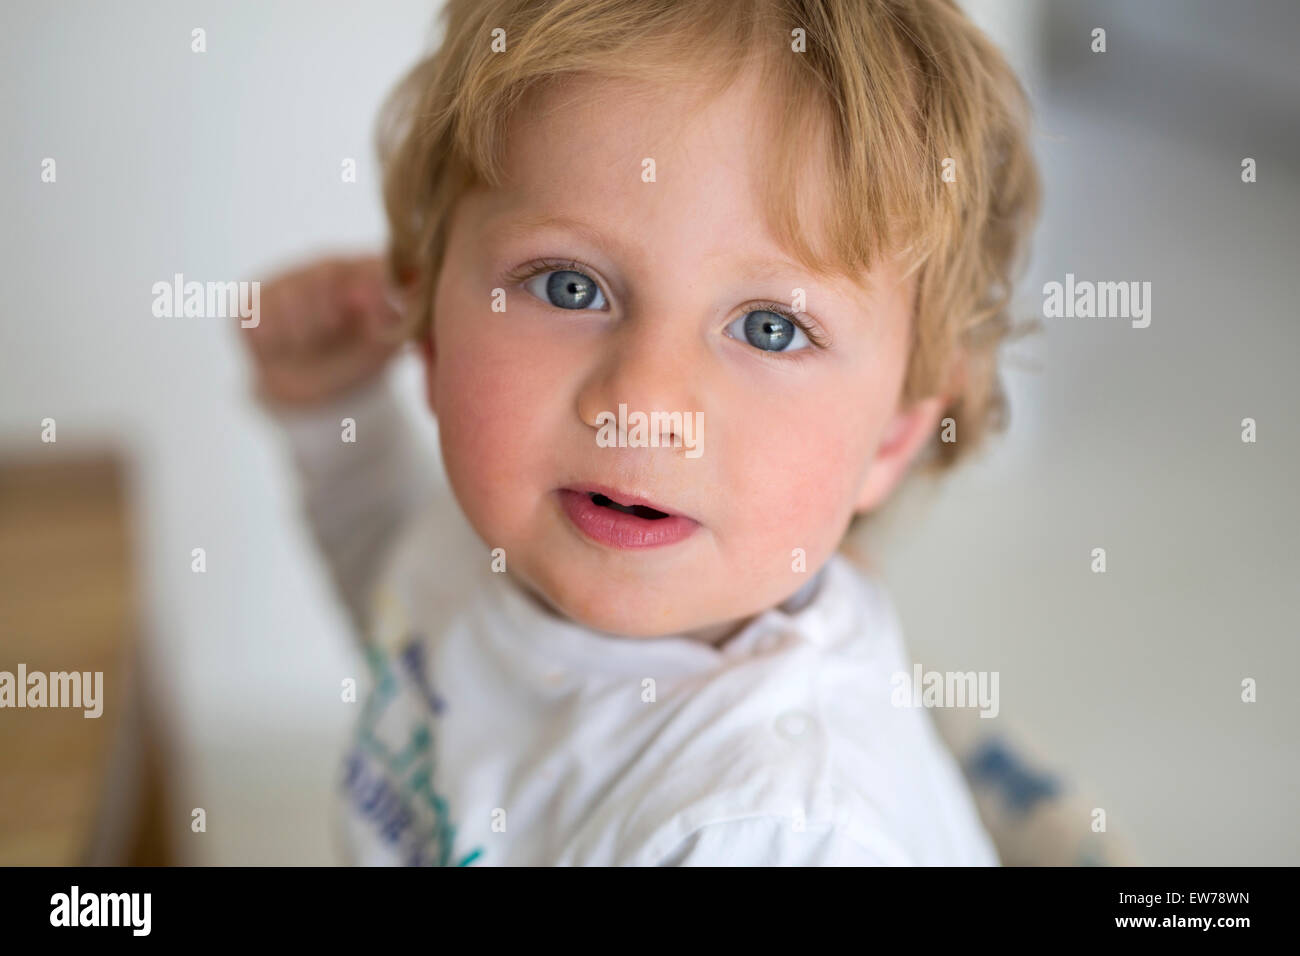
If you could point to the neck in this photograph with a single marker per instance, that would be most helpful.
(716, 634)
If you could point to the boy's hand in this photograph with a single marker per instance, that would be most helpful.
(324, 328)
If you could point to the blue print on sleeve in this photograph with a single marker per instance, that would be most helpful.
(1020, 785)
(391, 784)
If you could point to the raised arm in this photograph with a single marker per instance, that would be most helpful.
(321, 351)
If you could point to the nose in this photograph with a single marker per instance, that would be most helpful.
(648, 366)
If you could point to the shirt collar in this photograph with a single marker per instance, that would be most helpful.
(812, 614)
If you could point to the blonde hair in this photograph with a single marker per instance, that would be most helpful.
(901, 85)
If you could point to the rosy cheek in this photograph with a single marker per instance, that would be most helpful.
(497, 401)
(473, 411)
(774, 466)
(813, 456)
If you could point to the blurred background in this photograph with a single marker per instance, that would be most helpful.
(223, 687)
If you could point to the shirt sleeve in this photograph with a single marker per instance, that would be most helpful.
(773, 841)
(363, 472)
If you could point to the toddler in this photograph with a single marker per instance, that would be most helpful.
(695, 285)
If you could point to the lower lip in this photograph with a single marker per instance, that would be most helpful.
(618, 530)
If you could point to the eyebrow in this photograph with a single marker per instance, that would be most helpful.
(751, 268)
(587, 231)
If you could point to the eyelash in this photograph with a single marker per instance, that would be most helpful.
(526, 272)
(815, 334)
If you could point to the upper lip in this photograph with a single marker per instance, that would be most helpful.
(623, 498)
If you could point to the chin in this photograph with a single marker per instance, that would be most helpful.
(625, 620)
(612, 611)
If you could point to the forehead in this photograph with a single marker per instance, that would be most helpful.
(660, 172)
(601, 129)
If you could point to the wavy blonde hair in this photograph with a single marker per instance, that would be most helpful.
(899, 86)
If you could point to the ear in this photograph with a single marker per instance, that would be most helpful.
(906, 434)
(428, 356)
(409, 292)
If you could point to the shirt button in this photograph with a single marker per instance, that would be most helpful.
(795, 724)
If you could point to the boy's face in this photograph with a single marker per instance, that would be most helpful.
(669, 311)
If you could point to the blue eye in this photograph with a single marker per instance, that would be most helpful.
(567, 289)
(769, 331)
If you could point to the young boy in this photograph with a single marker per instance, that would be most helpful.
(694, 285)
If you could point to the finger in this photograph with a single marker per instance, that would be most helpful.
(268, 338)
(332, 304)
(373, 298)
(308, 298)
(309, 379)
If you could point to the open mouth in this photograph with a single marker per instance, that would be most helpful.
(631, 524)
(640, 511)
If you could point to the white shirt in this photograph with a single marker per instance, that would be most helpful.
(499, 733)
